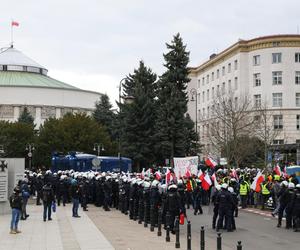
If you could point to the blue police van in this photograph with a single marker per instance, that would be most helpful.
(82, 162)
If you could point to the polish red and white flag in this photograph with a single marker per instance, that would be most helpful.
(210, 162)
(169, 176)
(277, 169)
(259, 178)
(206, 182)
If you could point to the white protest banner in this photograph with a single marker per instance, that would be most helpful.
(182, 164)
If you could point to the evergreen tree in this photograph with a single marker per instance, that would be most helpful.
(172, 99)
(104, 115)
(191, 143)
(26, 117)
(138, 117)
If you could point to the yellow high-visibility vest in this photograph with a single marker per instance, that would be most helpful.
(243, 189)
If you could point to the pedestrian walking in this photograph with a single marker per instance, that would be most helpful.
(48, 198)
(16, 208)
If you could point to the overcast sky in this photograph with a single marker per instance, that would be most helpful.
(93, 44)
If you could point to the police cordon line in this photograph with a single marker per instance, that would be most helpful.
(160, 197)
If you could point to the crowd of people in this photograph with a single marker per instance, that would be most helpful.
(145, 197)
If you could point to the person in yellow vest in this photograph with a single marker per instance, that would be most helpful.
(265, 191)
(244, 191)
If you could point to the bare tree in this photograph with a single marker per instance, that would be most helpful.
(231, 120)
(264, 127)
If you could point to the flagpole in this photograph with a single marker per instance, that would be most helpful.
(11, 34)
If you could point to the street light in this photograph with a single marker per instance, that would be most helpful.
(194, 93)
(30, 148)
(98, 147)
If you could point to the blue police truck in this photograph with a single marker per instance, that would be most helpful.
(82, 162)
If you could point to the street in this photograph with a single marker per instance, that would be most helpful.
(254, 230)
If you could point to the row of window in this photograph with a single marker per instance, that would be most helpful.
(276, 78)
(276, 100)
(277, 75)
(278, 122)
(217, 91)
(212, 76)
(276, 58)
(210, 110)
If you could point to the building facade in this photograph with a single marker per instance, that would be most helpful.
(266, 69)
(23, 82)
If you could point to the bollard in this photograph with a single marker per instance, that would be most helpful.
(189, 236)
(159, 221)
(219, 242)
(202, 239)
(145, 215)
(239, 246)
(168, 227)
(177, 242)
(152, 218)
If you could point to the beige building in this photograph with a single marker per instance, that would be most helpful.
(267, 69)
(23, 82)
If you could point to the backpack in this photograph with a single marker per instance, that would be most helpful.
(46, 194)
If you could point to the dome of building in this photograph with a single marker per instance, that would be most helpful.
(24, 82)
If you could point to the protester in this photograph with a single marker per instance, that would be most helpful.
(16, 209)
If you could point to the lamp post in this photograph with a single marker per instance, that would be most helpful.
(98, 147)
(194, 98)
(119, 134)
(30, 148)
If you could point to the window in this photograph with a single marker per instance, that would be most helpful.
(203, 100)
(297, 57)
(223, 71)
(199, 82)
(229, 67)
(4, 67)
(213, 76)
(277, 99)
(203, 113)
(235, 83)
(298, 122)
(297, 77)
(297, 141)
(212, 93)
(235, 64)
(207, 79)
(203, 80)
(257, 101)
(218, 90)
(256, 60)
(276, 57)
(223, 88)
(278, 142)
(207, 112)
(235, 102)
(277, 77)
(207, 95)
(218, 73)
(256, 79)
(277, 121)
(229, 86)
(198, 97)
(297, 99)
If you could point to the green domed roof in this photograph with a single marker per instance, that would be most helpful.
(26, 79)
(17, 69)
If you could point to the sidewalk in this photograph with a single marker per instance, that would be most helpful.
(125, 234)
(62, 233)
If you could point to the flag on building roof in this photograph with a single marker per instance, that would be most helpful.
(14, 23)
